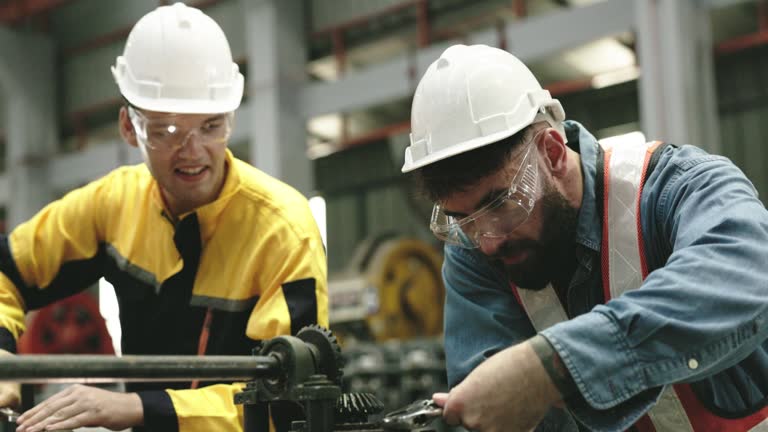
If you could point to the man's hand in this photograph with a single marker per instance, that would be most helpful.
(10, 393)
(79, 406)
(510, 391)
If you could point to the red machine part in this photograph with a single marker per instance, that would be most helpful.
(70, 326)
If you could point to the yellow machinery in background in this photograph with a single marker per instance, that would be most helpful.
(387, 312)
(393, 289)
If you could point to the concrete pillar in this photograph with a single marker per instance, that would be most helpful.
(277, 56)
(28, 85)
(677, 89)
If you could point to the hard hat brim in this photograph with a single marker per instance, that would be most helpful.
(187, 106)
(448, 152)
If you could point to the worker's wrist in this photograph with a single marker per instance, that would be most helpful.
(134, 409)
(553, 365)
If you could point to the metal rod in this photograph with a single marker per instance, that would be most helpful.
(422, 18)
(106, 369)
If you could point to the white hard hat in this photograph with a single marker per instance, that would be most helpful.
(177, 60)
(474, 96)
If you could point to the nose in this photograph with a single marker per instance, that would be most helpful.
(490, 245)
(191, 143)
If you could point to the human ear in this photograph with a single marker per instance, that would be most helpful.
(555, 151)
(126, 128)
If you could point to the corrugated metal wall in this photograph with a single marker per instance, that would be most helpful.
(605, 112)
(742, 95)
(742, 90)
(367, 196)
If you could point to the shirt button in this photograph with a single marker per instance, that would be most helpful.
(693, 364)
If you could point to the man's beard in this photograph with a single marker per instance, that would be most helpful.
(552, 255)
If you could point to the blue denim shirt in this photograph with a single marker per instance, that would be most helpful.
(706, 298)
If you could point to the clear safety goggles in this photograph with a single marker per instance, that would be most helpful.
(170, 132)
(500, 217)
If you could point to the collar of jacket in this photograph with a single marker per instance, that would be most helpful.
(208, 215)
(588, 225)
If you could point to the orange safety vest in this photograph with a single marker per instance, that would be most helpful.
(624, 268)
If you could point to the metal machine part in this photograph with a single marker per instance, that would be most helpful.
(72, 325)
(9, 415)
(356, 407)
(92, 369)
(398, 373)
(310, 374)
(303, 370)
(351, 413)
(391, 290)
(414, 416)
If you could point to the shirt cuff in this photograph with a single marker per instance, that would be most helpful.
(159, 413)
(613, 393)
(619, 418)
(7, 341)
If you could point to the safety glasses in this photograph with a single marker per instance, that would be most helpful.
(500, 217)
(169, 132)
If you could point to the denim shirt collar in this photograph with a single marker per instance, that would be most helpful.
(588, 226)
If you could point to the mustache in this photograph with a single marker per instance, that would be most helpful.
(512, 248)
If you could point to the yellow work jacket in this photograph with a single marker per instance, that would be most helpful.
(252, 260)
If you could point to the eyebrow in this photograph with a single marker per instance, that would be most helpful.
(488, 198)
(212, 117)
(491, 195)
(216, 117)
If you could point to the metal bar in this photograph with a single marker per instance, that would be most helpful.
(12, 12)
(758, 38)
(97, 42)
(104, 369)
(422, 17)
(365, 19)
(520, 7)
(119, 34)
(339, 51)
(376, 134)
(501, 29)
(741, 43)
(340, 55)
(387, 81)
(558, 88)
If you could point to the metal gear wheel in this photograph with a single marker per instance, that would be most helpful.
(329, 358)
(356, 407)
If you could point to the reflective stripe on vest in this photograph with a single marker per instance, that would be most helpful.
(624, 268)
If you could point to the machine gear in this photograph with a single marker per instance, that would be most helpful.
(356, 407)
(328, 352)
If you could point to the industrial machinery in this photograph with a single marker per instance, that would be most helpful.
(312, 370)
(391, 290)
(70, 326)
(386, 307)
(396, 372)
(285, 373)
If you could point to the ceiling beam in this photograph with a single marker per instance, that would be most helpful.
(530, 39)
(14, 11)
